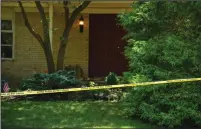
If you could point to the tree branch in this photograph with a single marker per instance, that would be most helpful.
(28, 25)
(66, 9)
(75, 13)
(44, 22)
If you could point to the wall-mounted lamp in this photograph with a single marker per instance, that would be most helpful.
(81, 23)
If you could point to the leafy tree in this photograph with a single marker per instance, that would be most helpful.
(164, 42)
(164, 39)
(45, 41)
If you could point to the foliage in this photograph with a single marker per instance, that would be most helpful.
(63, 78)
(105, 94)
(59, 79)
(36, 82)
(112, 79)
(163, 39)
(97, 94)
(91, 83)
(167, 105)
(115, 94)
(164, 42)
(129, 77)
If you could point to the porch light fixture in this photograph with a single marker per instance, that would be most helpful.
(81, 23)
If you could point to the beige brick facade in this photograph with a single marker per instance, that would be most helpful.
(77, 48)
(28, 54)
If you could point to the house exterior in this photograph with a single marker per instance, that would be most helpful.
(95, 50)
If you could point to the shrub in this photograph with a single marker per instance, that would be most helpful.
(105, 94)
(158, 52)
(129, 77)
(112, 79)
(170, 105)
(113, 94)
(59, 79)
(35, 82)
(63, 79)
(97, 94)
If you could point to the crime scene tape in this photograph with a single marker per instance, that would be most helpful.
(98, 87)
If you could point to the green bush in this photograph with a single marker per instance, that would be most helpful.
(63, 79)
(111, 79)
(161, 46)
(129, 77)
(59, 79)
(105, 94)
(173, 105)
(35, 82)
(97, 94)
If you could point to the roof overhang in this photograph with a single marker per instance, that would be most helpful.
(94, 6)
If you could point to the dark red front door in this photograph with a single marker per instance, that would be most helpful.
(106, 46)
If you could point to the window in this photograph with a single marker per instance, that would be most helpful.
(6, 39)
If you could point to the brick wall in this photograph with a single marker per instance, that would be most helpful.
(28, 54)
(77, 48)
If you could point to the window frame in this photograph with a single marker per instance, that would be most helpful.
(12, 19)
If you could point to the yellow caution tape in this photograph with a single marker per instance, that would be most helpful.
(98, 87)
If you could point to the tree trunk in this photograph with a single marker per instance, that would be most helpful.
(46, 37)
(60, 57)
(45, 42)
(68, 25)
(49, 60)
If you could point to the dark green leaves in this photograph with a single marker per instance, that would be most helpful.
(163, 39)
(164, 42)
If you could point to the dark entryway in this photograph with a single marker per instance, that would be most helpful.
(106, 46)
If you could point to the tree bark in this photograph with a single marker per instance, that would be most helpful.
(28, 25)
(45, 42)
(68, 25)
(46, 37)
(49, 60)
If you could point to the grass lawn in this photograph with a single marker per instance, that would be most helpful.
(65, 114)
